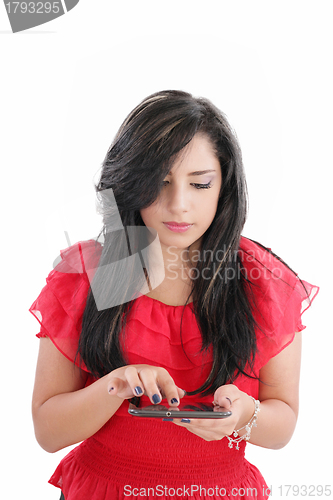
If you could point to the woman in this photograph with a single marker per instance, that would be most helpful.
(221, 326)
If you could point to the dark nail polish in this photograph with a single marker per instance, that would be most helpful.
(138, 390)
(174, 400)
(156, 399)
(167, 419)
(186, 420)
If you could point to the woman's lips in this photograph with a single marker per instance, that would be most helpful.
(178, 227)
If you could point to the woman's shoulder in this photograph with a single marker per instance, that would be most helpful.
(60, 305)
(72, 272)
(270, 280)
(278, 296)
(260, 264)
(78, 258)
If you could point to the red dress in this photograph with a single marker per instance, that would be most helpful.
(131, 457)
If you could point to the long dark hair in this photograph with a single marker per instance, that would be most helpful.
(135, 166)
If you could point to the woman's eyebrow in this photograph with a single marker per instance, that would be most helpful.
(198, 172)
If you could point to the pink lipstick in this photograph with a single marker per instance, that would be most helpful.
(177, 227)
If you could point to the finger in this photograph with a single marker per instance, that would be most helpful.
(134, 381)
(205, 429)
(225, 402)
(168, 387)
(116, 385)
(183, 422)
(201, 430)
(181, 392)
(194, 422)
(149, 381)
(226, 395)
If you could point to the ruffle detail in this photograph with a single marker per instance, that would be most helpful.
(60, 305)
(279, 299)
(152, 336)
(85, 487)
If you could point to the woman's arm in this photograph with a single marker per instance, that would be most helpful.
(66, 412)
(279, 398)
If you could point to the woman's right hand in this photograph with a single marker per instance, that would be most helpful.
(136, 380)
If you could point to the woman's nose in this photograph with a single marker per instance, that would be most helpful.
(178, 199)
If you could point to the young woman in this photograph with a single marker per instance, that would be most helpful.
(221, 322)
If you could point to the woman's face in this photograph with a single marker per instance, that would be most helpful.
(190, 195)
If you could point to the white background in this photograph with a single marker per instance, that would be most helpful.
(65, 88)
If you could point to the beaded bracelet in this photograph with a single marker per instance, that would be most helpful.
(248, 427)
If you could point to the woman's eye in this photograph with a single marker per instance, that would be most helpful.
(203, 186)
(197, 186)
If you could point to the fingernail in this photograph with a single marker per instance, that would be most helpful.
(167, 419)
(186, 420)
(156, 399)
(174, 400)
(138, 390)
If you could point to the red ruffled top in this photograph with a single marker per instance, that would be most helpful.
(128, 456)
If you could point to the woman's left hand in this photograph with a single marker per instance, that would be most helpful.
(231, 398)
